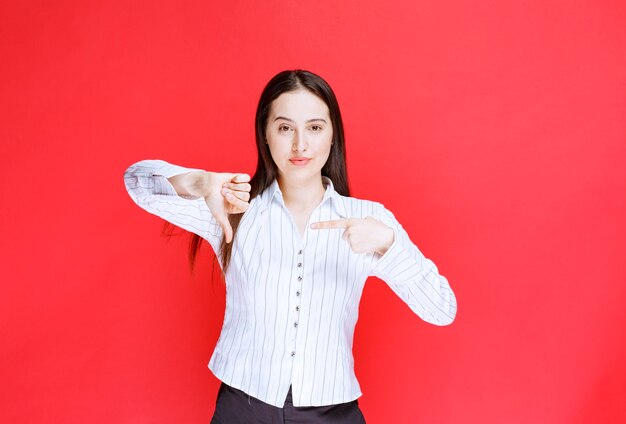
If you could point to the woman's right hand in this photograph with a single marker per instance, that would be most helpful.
(228, 194)
(224, 193)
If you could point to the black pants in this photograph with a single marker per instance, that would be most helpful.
(232, 407)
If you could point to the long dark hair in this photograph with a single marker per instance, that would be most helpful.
(266, 170)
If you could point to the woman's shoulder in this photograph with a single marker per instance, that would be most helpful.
(356, 207)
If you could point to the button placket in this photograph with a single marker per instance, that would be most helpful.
(300, 275)
(299, 266)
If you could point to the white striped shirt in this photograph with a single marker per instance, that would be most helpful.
(292, 301)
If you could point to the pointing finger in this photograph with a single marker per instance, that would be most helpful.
(337, 223)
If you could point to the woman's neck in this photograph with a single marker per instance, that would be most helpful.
(302, 195)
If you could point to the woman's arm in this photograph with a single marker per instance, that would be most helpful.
(413, 277)
(192, 199)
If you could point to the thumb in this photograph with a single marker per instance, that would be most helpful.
(225, 223)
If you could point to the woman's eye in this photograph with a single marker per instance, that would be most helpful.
(316, 127)
(283, 128)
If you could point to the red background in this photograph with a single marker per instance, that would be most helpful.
(495, 131)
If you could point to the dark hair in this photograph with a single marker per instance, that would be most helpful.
(266, 170)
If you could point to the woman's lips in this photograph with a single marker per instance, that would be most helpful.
(299, 161)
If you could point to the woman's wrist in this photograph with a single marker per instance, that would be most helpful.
(204, 184)
(196, 184)
(387, 242)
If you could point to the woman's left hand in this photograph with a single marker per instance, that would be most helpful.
(365, 235)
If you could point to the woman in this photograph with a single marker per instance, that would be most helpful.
(296, 251)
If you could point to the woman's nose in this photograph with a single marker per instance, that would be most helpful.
(299, 142)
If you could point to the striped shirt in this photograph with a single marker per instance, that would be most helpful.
(292, 301)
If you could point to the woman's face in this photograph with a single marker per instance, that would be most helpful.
(299, 134)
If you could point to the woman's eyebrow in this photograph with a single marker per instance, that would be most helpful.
(291, 120)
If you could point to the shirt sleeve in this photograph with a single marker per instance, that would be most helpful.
(147, 184)
(413, 277)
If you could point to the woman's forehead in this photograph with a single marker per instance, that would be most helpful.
(299, 105)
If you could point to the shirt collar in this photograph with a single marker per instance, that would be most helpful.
(330, 195)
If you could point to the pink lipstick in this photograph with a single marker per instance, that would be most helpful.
(299, 161)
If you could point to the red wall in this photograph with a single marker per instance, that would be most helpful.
(495, 131)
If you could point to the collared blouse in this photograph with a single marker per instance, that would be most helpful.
(292, 301)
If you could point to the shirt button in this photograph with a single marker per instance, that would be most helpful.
(293, 353)
(297, 293)
(300, 252)
(299, 278)
(297, 308)
(300, 265)
(295, 324)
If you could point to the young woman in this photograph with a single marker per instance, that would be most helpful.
(296, 251)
